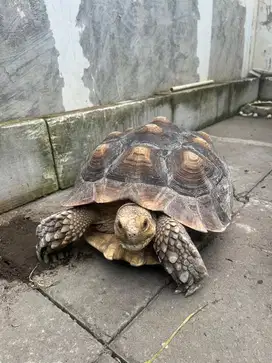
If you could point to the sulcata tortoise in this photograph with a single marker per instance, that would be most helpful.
(137, 193)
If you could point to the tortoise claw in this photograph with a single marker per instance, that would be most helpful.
(47, 232)
(61, 229)
(55, 232)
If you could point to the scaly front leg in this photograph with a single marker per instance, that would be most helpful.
(178, 255)
(60, 229)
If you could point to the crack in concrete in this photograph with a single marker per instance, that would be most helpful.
(240, 200)
(243, 197)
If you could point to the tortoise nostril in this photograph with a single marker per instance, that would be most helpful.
(145, 224)
(131, 234)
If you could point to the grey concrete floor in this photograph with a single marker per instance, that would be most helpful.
(93, 310)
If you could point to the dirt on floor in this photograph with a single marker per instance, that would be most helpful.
(17, 249)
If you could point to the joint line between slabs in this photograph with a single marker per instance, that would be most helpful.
(89, 331)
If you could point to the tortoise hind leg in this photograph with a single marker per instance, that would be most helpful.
(62, 228)
(178, 255)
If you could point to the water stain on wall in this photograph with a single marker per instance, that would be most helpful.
(227, 46)
(29, 76)
(136, 48)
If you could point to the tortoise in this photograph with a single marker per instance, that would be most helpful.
(139, 193)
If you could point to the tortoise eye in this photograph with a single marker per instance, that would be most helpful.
(145, 224)
(119, 224)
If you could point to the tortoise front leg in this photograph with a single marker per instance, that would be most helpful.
(178, 255)
(62, 228)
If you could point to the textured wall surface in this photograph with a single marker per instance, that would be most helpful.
(263, 41)
(58, 55)
(227, 46)
(29, 73)
(137, 47)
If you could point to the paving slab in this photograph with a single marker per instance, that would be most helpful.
(104, 295)
(247, 128)
(248, 163)
(106, 358)
(263, 190)
(246, 145)
(33, 330)
(236, 206)
(236, 326)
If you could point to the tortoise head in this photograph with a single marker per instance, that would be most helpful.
(134, 226)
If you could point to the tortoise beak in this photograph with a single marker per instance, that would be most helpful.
(135, 244)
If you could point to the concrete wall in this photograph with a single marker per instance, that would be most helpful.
(263, 40)
(231, 42)
(57, 55)
(29, 69)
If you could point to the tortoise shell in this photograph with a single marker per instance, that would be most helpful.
(162, 168)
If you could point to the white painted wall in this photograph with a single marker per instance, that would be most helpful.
(250, 34)
(204, 33)
(62, 16)
(263, 41)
